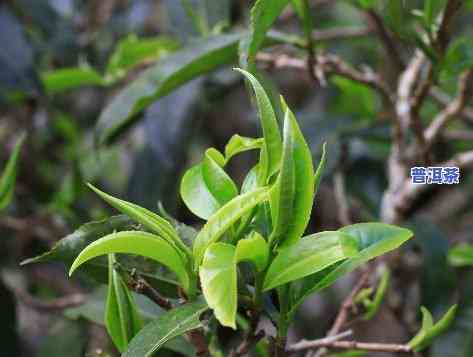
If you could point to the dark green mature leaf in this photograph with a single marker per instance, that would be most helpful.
(138, 243)
(68, 248)
(64, 79)
(459, 56)
(160, 79)
(121, 315)
(148, 219)
(308, 256)
(8, 177)
(461, 255)
(272, 137)
(374, 239)
(304, 181)
(429, 331)
(224, 218)
(263, 14)
(218, 276)
(166, 327)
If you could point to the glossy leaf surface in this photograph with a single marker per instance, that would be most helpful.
(308, 256)
(224, 218)
(138, 243)
(218, 276)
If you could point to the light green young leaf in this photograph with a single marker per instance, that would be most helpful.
(374, 239)
(217, 180)
(131, 51)
(283, 194)
(138, 243)
(308, 256)
(166, 327)
(8, 177)
(64, 79)
(224, 218)
(238, 144)
(148, 219)
(122, 319)
(461, 255)
(320, 169)
(263, 14)
(218, 276)
(196, 195)
(429, 331)
(253, 249)
(206, 187)
(160, 79)
(269, 123)
(304, 181)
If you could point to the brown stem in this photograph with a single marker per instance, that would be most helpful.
(350, 345)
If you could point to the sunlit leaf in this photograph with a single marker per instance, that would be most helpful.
(272, 136)
(224, 218)
(253, 249)
(64, 79)
(148, 219)
(374, 239)
(238, 144)
(308, 256)
(138, 243)
(218, 276)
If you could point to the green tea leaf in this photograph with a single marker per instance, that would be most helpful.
(238, 144)
(218, 276)
(461, 255)
(374, 239)
(308, 256)
(320, 169)
(148, 219)
(64, 79)
(8, 177)
(196, 195)
(138, 243)
(283, 194)
(121, 315)
(166, 327)
(217, 180)
(269, 123)
(253, 249)
(429, 330)
(224, 218)
(263, 14)
(160, 79)
(459, 56)
(206, 187)
(304, 182)
(131, 51)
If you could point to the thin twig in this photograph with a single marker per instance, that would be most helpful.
(341, 33)
(444, 99)
(309, 344)
(352, 345)
(453, 109)
(347, 305)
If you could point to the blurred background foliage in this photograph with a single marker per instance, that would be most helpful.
(62, 61)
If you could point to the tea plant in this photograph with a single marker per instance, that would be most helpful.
(261, 223)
